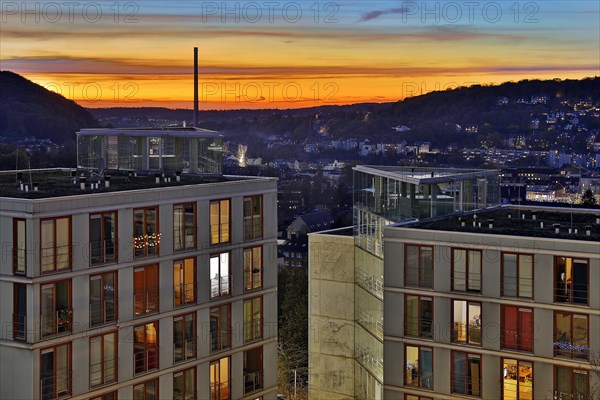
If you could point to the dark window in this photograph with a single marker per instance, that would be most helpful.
(418, 316)
(466, 270)
(571, 280)
(466, 373)
(516, 330)
(19, 250)
(55, 234)
(103, 238)
(220, 327)
(418, 266)
(184, 226)
(517, 275)
(253, 224)
(184, 337)
(103, 298)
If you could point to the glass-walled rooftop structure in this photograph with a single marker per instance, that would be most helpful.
(388, 195)
(187, 150)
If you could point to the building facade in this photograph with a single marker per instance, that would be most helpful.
(341, 319)
(146, 286)
(493, 305)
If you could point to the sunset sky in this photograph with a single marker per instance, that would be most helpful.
(256, 54)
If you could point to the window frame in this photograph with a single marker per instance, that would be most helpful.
(253, 235)
(156, 382)
(186, 396)
(146, 348)
(252, 323)
(467, 341)
(220, 345)
(517, 277)
(468, 377)
(219, 292)
(185, 227)
(115, 359)
(19, 326)
(572, 372)
(517, 388)
(182, 295)
(573, 355)
(219, 224)
(572, 297)
(419, 321)
(145, 290)
(146, 243)
(103, 299)
(467, 269)
(69, 372)
(56, 245)
(185, 338)
(54, 299)
(419, 369)
(519, 328)
(419, 266)
(103, 239)
(211, 384)
(249, 275)
(257, 384)
(16, 249)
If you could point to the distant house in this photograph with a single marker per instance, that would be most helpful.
(295, 249)
(309, 223)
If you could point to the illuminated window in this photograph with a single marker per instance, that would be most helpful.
(220, 279)
(146, 238)
(419, 367)
(219, 221)
(571, 280)
(184, 281)
(517, 380)
(571, 335)
(219, 379)
(145, 289)
(253, 319)
(145, 347)
(253, 268)
(466, 327)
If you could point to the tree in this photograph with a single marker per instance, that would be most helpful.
(588, 198)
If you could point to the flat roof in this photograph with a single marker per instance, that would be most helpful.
(520, 221)
(152, 132)
(59, 182)
(422, 175)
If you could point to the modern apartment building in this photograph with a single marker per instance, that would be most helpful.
(346, 270)
(145, 274)
(495, 304)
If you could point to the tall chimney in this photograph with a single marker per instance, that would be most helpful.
(195, 87)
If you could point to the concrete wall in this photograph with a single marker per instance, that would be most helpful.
(331, 316)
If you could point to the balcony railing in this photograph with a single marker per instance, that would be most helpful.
(102, 252)
(103, 312)
(460, 333)
(146, 302)
(56, 386)
(220, 286)
(373, 325)
(184, 395)
(517, 287)
(56, 323)
(184, 350)
(253, 280)
(571, 293)
(145, 360)
(219, 391)
(253, 329)
(565, 348)
(369, 362)
(253, 381)
(19, 327)
(370, 283)
(184, 293)
(514, 339)
(418, 327)
(103, 372)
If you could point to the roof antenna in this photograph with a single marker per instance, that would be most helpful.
(195, 87)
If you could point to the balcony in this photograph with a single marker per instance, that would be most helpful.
(220, 286)
(103, 312)
(253, 381)
(103, 372)
(418, 327)
(103, 252)
(370, 323)
(185, 396)
(370, 283)
(146, 302)
(253, 330)
(184, 350)
(219, 391)
(19, 327)
(146, 360)
(184, 293)
(56, 385)
(56, 323)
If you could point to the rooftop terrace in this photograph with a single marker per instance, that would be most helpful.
(67, 182)
(541, 222)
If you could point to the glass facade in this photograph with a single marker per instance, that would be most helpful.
(388, 195)
(185, 150)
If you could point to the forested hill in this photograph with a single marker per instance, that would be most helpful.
(28, 109)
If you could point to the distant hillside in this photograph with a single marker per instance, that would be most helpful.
(434, 116)
(28, 109)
